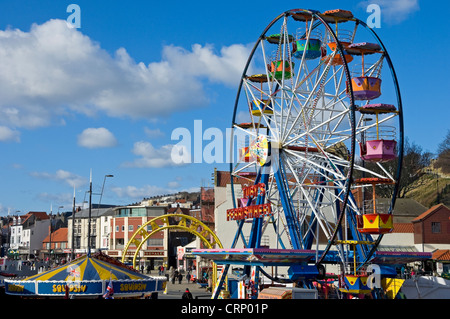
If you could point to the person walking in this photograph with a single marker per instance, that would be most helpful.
(188, 276)
(187, 294)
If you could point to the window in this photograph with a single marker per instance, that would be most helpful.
(119, 242)
(117, 229)
(154, 212)
(155, 242)
(94, 227)
(435, 227)
(130, 228)
(77, 242)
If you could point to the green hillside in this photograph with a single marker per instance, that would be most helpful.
(433, 187)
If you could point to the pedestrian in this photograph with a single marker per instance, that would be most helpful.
(187, 294)
(188, 276)
(180, 277)
(175, 276)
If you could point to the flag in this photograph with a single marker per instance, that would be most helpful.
(109, 291)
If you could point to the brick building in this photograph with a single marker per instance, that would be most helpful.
(56, 244)
(125, 222)
(432, 228)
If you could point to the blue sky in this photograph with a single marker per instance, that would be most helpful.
(108, 95)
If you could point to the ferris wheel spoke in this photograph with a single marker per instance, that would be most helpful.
(308, 100)
(319, 216)
(294, 139)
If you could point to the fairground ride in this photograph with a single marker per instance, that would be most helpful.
(318, 159)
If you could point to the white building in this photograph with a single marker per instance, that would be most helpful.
(100, 230)
(27, 233)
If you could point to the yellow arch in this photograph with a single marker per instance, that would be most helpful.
(186, 223)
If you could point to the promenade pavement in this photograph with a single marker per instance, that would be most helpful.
(176, 290)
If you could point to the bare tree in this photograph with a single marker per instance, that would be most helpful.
(414, 161)
(443, 157)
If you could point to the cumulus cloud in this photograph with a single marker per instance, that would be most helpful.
(96, 138)
(202, 61)
(52, 70)
(139, 192)
(9, 135)
(173, 185)
(153, 133)
(394, 11)
(149, 156)
(60, 175)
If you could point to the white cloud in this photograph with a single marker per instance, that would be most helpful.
(153, 133)
(65, 199)
(173, 185)
(53, 70)
(96, 138)
(394, 11)
(149, 156)
(9, 135)
(138, 193)
(60, 175)
(134, 192)
(202, 61)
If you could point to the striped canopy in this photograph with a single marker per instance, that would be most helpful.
(87, 268)
(86, 276)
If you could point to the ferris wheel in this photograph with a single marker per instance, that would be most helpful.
(317, 139)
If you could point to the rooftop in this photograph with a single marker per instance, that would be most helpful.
(441, 254)
(430, 212)
(59, 235)
(95, 212)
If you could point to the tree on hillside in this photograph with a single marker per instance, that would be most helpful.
(444, 146)
(414, 162)
(443, 156)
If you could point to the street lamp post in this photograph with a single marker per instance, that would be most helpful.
(72, 254)
(90, 207)
(89, 216)
(50, 238)
(103, 186)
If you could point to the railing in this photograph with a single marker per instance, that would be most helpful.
(301, 33)
(382, 132)
(370, 206)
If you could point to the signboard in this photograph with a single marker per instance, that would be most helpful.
(439, 268)
(180, 252)
(58, 288)
(251, 211)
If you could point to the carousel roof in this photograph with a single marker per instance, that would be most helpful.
(87, 268)
(87, 275)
